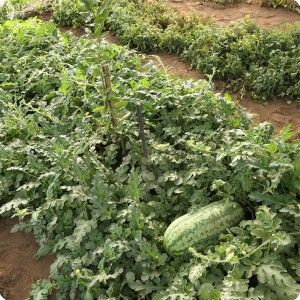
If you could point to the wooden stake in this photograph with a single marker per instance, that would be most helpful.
(111, 105)
(112, 109)
(142, 131)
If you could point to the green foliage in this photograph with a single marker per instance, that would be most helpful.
(103, 213)
(41, 290)
(290, 4)
(100, 13)
(263, 62)
(71, 13)
(7, 11)
(22, 8)
(260, 261)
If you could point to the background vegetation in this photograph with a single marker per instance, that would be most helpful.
(264, 62)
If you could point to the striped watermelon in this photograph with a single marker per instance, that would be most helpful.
(201, 228)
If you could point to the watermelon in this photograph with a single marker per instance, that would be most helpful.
(202, 227)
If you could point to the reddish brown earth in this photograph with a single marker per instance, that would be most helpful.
(265, 16)
(18, 267)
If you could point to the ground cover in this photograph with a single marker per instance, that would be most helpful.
(280, 112)
(262, 61)
(266, 62)
(73, 171)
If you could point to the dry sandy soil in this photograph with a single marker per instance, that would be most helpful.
(265, 17)
(18, 267)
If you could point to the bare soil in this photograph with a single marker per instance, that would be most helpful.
(265, 17)
(18, 267)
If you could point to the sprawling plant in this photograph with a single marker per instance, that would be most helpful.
(290, 4)
(263, 62)
(102, 211)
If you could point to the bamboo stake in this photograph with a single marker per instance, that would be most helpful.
(142, 131)
(111, 105)
(112, 109)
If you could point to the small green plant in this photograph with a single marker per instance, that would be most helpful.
(99, 13)
(290, 4)
(7, 11)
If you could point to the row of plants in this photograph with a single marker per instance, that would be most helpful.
(264, 62)
(73, 170)
(289, 4)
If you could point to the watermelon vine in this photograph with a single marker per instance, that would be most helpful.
(103, 215)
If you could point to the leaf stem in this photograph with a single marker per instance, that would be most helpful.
(223, 261)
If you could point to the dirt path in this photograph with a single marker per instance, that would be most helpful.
(264, 16)
(18, 267)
